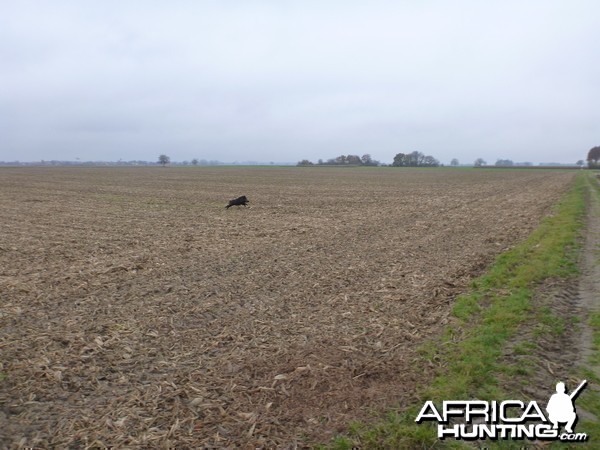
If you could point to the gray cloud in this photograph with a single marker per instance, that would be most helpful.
(265, 80)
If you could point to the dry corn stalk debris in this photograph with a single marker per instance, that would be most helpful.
(136, 311)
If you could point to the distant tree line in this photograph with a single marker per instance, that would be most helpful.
(204, 162)
(504, 162)
(343, 160)
(414, 159)
(163, 160)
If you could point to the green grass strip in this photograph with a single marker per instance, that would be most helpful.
(487, 317)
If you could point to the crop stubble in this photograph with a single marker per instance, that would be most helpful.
(136, 310)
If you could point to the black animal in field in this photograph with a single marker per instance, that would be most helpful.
(238, 201)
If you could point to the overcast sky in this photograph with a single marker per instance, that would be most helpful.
(286, 80)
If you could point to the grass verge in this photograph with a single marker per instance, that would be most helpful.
(486, 318)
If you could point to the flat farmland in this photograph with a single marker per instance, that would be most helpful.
(135, 310)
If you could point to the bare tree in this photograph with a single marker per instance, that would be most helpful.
(163, 160)
(414, 159)
(593, 157)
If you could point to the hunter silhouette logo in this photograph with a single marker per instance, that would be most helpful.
(509, 419)
(560, 407)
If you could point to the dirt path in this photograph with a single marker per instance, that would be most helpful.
(589, 282)
(589, 293)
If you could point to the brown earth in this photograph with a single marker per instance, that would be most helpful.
(136, 311)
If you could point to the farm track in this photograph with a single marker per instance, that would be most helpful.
(136, 310)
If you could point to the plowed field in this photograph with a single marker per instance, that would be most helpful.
(135, 310)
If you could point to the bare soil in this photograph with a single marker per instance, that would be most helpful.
(135, 310)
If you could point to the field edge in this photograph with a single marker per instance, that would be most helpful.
(486, 318)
